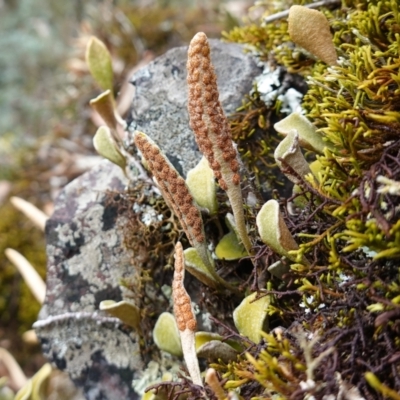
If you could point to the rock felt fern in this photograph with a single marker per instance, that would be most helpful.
(332, 310)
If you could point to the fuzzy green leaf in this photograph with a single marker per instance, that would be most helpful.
(202, 338)
(216, 350)
(128, 313)
(99, 62)
(166, 335)
(196, 267)
(273, 230)
(308, 136)
(310, 29)
(105, 145)
(209, 345)
(105, 106)
(35, 388)
(289, 150)
(250, 317)
(201, 183)
(229, 248)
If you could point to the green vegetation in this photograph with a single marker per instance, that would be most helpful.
(331, 313)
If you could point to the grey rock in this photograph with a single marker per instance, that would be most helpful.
(86, 261)
(159, 107)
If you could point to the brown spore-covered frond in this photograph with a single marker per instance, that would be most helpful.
(183, 311)
(173, 187)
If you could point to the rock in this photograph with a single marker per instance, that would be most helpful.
(159, 107)
(86, 261)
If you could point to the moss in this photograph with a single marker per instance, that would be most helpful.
(356, 107)
(150, 232)
(271, 41)
(252, 130)
(17, 303)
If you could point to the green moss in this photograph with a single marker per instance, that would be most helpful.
(150, 233)
(276, 371)
(252, 130)
(356, 107)
(271, 41)
(17, 304)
